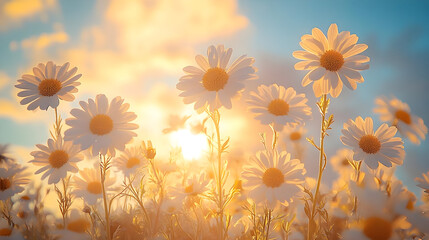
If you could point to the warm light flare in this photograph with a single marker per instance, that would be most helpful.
(193, 145)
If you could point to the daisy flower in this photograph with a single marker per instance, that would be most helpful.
(129, 162)
(76, 228)
(332, 61)
(341, 162)
(8, 232)
(215, 83)
(56, 159)
(102, 126)
(48, 85)
(273, 177)
(279, 106)
(294, 134)
(373, 148)
(423, 182)
(398, 114)
(89, 186)
(12, 179)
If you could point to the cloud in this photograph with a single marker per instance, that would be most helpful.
(13, 110)
(40, 42)
(4, 79)
(140, 42)
(15, 11)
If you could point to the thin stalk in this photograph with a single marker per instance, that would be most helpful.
(220, 172)
(268, 224)
(323, 109)
(106, 207)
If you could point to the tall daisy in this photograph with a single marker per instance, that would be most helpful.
(89, 187)
(129, 162)
(279, 106)
(56, 159)
(77, 227)
(48, 85)
(214, 83)
(101, 126)
(373, 147)
(273, 177)
(331, 61)
(399, 114)
(12, 179)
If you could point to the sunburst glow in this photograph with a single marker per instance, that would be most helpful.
(193, 146)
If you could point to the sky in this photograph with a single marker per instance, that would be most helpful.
(137, 49)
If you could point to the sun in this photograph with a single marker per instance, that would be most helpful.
(193, 145)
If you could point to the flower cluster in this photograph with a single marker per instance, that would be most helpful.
(109, 187)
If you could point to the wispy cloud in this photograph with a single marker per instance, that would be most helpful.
(13, 12)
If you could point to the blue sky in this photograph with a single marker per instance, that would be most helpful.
(396, 32)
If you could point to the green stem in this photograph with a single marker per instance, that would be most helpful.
(311, 222)
(106, 207)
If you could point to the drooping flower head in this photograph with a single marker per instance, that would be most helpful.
(101, 126)
(273, 177)
(130, 161)
(279, 106)
(48, 85)
(56, 159)
(332, 61)
(399, 114)
(373, 147)
(215, 83)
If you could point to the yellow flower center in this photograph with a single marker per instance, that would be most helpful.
(4, 184)
(133, 162)
(5, 231)
(189, 189)
(215, 79)
(345, 162)
(94, 187)
(332, 60)
(273, 177)
(49, 87)
(25, 197)
(295, 136)
(376, 228)
(403, 116)
(370, 144)
(278, 107)
(58, 158)
(78, 226)
(22, 214)
(101, 124)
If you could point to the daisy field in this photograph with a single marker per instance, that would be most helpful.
(214, 119)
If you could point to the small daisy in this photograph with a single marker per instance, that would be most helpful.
(12, 179)
(279, 106)
(8, 232)
(195, 185)
(294, 134)
(332, 61)
(214, 83)
(57, 158)
(89, 186)
(48, 85)
(102, 126)
(273, 177)
(129, 162)
(341, 161)
(76, 228)
(423, 182)
(373, 148)
(398, 114)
